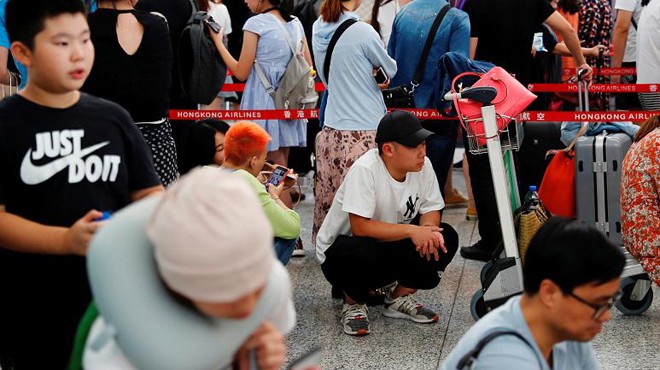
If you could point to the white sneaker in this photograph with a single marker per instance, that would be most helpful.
(355, 319)
(407, 307)
(298, 251)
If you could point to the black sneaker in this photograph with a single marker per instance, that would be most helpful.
(478, 252)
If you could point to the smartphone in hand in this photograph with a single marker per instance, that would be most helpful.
(211, 23)
(380, 76)
(278, 175)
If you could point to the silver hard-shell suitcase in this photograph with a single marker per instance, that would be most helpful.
(598, 162)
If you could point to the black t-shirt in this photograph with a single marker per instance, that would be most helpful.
(505, 29)
(56, 165)
(177, 13)
(140, 82)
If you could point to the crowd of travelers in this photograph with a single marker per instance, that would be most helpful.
(87, 137)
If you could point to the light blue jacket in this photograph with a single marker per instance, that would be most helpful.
(409, 32)
(354, 101)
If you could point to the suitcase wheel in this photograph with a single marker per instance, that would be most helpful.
(629, 305)
(478, 306)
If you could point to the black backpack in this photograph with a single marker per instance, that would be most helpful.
(201, 69)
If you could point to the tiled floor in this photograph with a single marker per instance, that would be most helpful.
(629, 343)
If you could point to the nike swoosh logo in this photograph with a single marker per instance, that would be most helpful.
(32, 174)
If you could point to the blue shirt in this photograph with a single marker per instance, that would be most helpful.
(4, 43)
(508, 352)
(354, 101)
(409, 32)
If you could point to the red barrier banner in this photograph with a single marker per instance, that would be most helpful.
(604, 71)
(606, 88)
(604, 116)
(426, 114)
(250, 115)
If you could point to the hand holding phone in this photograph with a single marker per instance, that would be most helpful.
(279, 173)
(212, 24)
(381, 76)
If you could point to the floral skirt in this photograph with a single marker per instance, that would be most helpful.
(336, 151)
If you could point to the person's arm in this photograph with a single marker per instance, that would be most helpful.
(474, 41)
(427, 239)
(561, 49)
(619, 40)
(376, 53)
(143, 193)
(561, 25)
(239, 68)
(432, 218)
(22, 235)
(387, 232)
(306, 53)
(4, 71)
(459, 40)
(285, 221)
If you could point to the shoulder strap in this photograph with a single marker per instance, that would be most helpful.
(264, 81)
(194, 6)
(287, 37)
(328, 55)
(419, 72)
(632, 20)
(260, 73)
(470, 358)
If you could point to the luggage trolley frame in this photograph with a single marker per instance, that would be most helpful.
(502, 278)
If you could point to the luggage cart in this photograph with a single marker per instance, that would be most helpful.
(501, 278)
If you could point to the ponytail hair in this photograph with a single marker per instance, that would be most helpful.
(331, 10)
(374, 14)
(202, 5)
(283, 8)
(647, 127)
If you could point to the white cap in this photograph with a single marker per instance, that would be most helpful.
(212, 240)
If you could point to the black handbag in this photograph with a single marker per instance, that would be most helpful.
(402, 96)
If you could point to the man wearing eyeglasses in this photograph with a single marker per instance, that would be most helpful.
(571, 280)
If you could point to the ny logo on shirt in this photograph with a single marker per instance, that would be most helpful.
(410, 206)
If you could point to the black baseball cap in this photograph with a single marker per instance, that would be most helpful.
(401, 127)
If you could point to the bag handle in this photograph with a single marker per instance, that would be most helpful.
(421, 65)
(458, 107)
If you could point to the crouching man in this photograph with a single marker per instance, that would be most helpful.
(383, 227)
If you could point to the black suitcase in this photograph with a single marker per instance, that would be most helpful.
(539, 138)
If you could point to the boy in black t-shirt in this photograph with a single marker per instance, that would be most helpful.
(64, 157)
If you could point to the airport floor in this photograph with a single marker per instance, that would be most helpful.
(627, 342)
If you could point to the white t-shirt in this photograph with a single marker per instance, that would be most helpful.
(220, 14)
(648, 44)
(386, 15)
(111, 356)
(634, 6)
(370, 191)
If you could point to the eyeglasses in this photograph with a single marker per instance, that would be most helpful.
(219, 148)
(599, 309)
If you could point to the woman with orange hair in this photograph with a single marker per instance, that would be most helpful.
(245, 150)
(640, 198)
